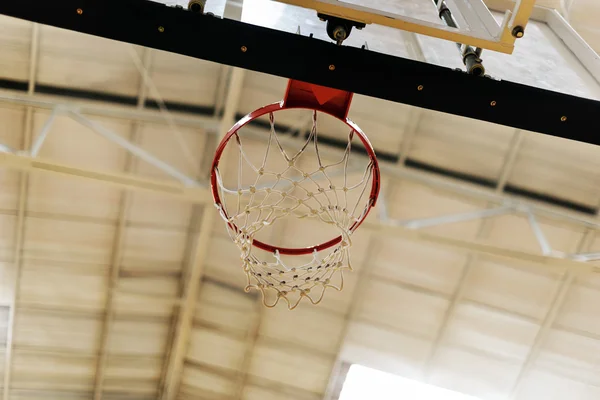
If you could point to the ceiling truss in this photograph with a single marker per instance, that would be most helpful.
(190, 189)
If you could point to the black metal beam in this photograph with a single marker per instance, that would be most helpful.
(294, 56)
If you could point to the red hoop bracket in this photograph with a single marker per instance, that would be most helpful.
(306, 95)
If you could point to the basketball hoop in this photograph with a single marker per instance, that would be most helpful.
(296, 191)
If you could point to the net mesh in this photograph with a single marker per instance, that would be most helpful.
(316, 190)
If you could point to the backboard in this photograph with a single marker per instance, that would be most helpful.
(373, 69)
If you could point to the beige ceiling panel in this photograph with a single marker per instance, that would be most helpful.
(130, 304)
(7, 276)
(432, 268)
(139, 338)
(269, 88)
(133, 367)
(78, 61)
(11, 133)
(216, 348)
(526, 291)
(51, 194)
(7, 239)
(13, 126)
(68, 240)
(384, 349)
(154, 209)
(225, 309)
(568, 353)
(4, 324)
(15, 41)
(579, 310)
(461, 144)
(205, 383)
(62, 289)
(181, 148)
(253, 392)
(118, 387)
(10, 182)
(154, 244)
(152, 296)
(66, 372)
(38, 394)
(394, 116)
(492, 332)
(76, 267)
(393, 305)
(548, 386)
(562, 168)
(472, 374)
(56, 331)
(183, 79)
(284, 365)
(307, 326)
(137, 265)
(160, 286)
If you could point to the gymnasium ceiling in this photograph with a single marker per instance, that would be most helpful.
(97, 297)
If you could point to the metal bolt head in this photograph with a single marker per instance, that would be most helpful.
(563, 118)
(340, 33)
(420, 87)
(518, 32)
(331, 67)
(244, 49)
(493, 103)
(79, 11)
(161, 29)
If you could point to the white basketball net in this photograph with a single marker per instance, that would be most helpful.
(294, 192)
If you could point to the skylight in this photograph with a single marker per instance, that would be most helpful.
(364, 383)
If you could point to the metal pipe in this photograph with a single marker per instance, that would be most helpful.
(453, 218)
(39, 141)
(539, 234)
(470, 56)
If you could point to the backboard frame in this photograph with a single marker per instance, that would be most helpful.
(476, 25)
(318, 62)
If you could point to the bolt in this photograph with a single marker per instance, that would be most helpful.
(195, 7)
(332, 67)
(493, 103)
(161, 29)
(79, 11)
(244, 49)
(518, 32)
(563, 118)
(339, 33)
(420, 87)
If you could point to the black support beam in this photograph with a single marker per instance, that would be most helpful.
(294, 56)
